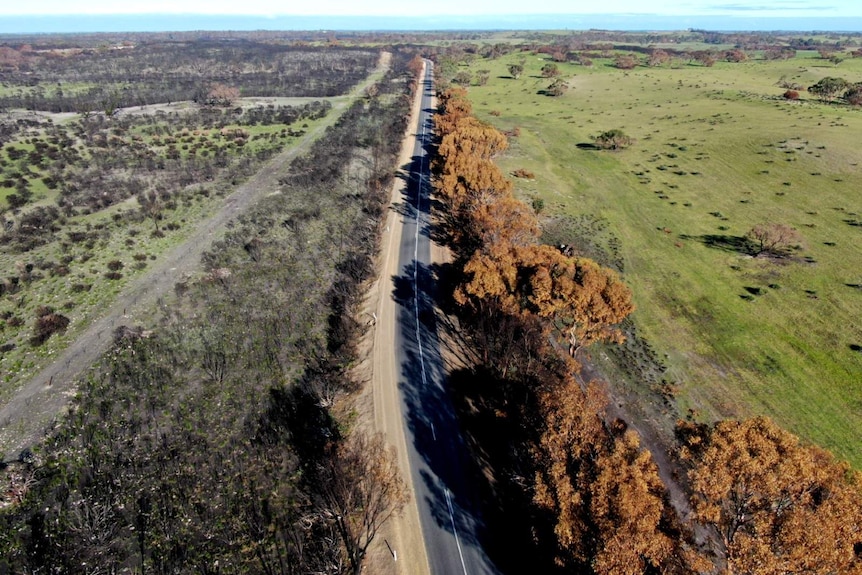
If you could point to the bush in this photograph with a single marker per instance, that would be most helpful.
(47, 325)
(115, 265)
(614, 139)
(791, 95)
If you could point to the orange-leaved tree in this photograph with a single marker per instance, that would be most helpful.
(453, 106)
(778, 506)
(635, 531)
(607, 504)
(572, 438)
(584, 300)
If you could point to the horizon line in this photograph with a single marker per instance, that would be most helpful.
(630, 21)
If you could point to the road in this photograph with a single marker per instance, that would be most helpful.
(33, 408)
(439, 463)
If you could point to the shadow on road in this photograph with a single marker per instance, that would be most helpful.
(458, 433)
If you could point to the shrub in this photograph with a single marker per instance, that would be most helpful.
(115, 265)
(614, 139)
(791, 95)
(47, 325)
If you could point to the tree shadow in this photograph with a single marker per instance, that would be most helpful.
(724, 242)
(452, 487)
(457, 430)
(587, 146)
(494, 436)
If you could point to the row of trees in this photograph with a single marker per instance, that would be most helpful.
(593, 495)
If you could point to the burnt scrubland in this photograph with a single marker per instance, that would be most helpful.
(220, 437)
(91, 200)
(63, 77)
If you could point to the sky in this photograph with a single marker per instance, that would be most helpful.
(62, 16)
(390, 8)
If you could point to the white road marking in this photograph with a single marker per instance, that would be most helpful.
(416, 262)
(455, 531)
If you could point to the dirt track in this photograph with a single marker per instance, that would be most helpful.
(25, 418)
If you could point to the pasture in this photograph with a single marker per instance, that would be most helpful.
(718, 150)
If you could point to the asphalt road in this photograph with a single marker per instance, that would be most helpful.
(440, 464)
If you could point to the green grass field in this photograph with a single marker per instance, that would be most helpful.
(718, 150)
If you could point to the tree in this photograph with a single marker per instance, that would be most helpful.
(550, 70)
(606, 502)
(827, 89)
(853, 95)
(628, 507)
(735, 55)
(151, 205)
(773, 239)
(416, 65)
(221, 95)
(47, 324)
(706, 58)
(583, 300)
(515, 70)
(778, 506)
(463, 78)
(557, 88)
(626, 61)
(504, 222)
(360, 488)
(572, 438)
(453, 106)
(777, 53)
(658, 57)
(614, 139)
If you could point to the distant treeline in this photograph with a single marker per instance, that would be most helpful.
(82, 80)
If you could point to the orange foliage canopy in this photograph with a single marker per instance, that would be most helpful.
(608, 503)
(779, 506)
(585, 300)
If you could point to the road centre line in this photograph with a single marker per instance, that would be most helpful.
(455, 530)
